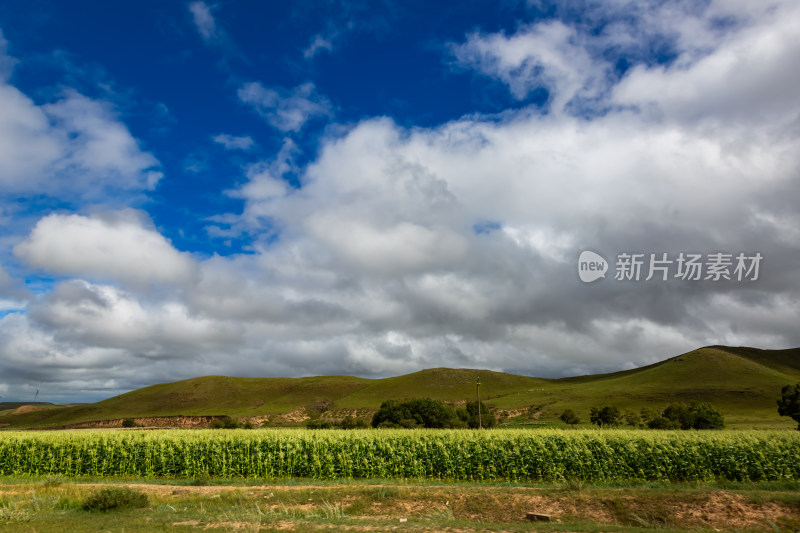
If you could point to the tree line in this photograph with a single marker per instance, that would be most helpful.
(696, 415)
(430, 413)
(418, 413)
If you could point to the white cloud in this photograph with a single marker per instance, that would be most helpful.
(203, 20)
(400, 249)
(383, 224)
(546, 54)
(117, 246)
(106, 317)
(29, 147)
(318, 44)
(724, 50)
(100, 143)
(73, 147)
(745, 77)
(286, 110)
(87, 341)
(6, 62)
(231, 142)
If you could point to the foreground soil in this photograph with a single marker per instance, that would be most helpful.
(57, 504)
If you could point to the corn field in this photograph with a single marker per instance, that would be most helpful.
(457, 455)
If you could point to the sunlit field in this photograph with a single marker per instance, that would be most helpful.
(450, 455)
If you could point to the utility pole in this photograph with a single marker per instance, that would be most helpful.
(480, 426)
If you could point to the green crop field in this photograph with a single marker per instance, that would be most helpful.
(495, 455)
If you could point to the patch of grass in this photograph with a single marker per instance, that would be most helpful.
(332, 511)
(381, 493)
(348, 506)
(574, 484)
(109, 498)
(55, 480)
(441, 514)
(15, 512)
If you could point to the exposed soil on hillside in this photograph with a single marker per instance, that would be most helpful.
(188, 422)
(27, 409)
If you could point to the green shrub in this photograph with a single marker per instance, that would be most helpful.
(469, 415)
(661, 422)
(319, 424)
(789, 403)
(569, 417)
(415, 413)
(351, 422)
(110, 498)
(697, 415)
(607, 416)
(129, 423)
(225, 423)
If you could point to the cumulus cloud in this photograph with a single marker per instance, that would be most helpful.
(745, 78)
(126, 342)
(286, 110)
(542, 55)
(116, 246)
(73, 147)
(456, 245)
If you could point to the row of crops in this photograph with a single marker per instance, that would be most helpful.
(497, 455)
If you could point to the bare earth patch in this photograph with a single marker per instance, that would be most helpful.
(22, 409)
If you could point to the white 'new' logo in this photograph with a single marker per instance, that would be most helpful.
(591, 266)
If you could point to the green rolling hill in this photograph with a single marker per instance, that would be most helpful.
(743, 382)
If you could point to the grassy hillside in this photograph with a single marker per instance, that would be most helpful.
(446, 384)
(745, 387)
(743, 382)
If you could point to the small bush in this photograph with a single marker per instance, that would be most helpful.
(129, 423)
(225, 423)
(319, 424)
(115, 498)
(569, 417)
(351, 422)
(53, 480)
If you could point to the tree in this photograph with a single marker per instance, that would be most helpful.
(789, 403)
(660, 422)
(706, 416)
(697, 415)
(351, 422)
(606, 416)
(680, 414)
(569, 417)
(469, 415)
(421, 412)
(632, 418)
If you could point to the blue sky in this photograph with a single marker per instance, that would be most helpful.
(302, 188)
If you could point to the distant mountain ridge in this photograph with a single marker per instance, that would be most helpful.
(744, 382)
